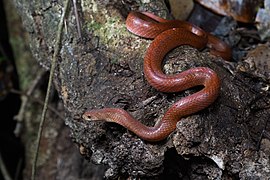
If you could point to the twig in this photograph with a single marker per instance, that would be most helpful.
(53, 66)
(3, 169)
(18, 169)
(20, 116)
(38, 101)
(77, 19)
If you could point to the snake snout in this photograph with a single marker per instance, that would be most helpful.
(89, 117)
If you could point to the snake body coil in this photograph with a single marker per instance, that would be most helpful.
(168, 34)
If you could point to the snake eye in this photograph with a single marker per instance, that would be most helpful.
(87, 117)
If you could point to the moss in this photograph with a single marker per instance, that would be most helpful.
(94, 26)
(109, 31)
(114, 60)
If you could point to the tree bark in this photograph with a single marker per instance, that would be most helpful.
(104, 68)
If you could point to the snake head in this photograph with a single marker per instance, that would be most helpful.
(105, 114)
(92, 115)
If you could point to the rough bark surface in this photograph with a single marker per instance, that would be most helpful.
(105, 69)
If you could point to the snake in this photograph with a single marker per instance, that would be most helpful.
(167, 35)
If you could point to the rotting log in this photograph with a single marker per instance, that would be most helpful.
(104, 68)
